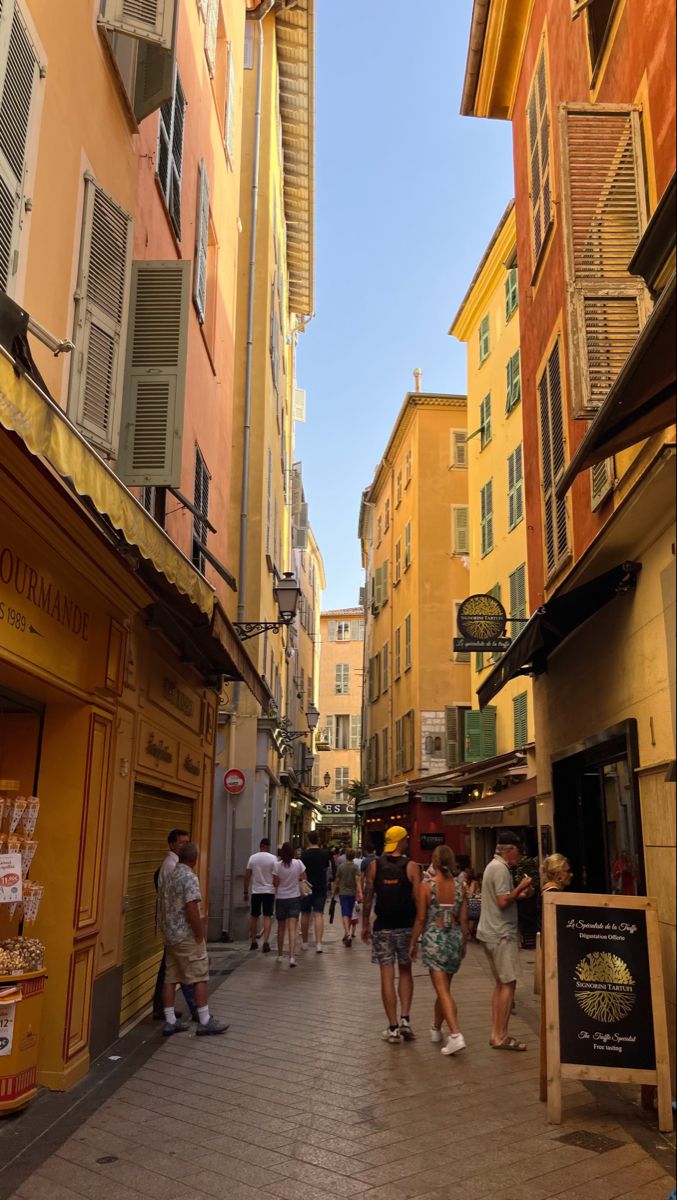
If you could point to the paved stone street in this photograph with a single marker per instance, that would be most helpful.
(302, 1100)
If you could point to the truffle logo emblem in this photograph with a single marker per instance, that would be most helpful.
(605, 988)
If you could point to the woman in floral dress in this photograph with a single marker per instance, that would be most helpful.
(442, 919)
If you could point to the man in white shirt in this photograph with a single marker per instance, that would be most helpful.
(175, 840)
(259, 879)
(498, 932)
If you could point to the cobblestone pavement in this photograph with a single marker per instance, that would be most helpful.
(302, 1099)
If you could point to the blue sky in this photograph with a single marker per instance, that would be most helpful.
(408, 196)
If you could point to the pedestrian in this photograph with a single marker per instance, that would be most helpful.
(392, 886)
(259, 878)
(288, 874)
(175, 839)
(367, 860)
(317, 863)
(556, 873)
(442, 920)
(181, 926)
(348, 888)
(474, 898)
(499, 934)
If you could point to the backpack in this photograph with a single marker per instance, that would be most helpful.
(393, 893)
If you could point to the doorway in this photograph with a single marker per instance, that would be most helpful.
(597, 812)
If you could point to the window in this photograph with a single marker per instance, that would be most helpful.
(408, 468)
(398, 490)
(342, 739)
(605, 214)
(374, 678)
(480, 734)
(518, 595)
(399, 746)
(341, 784)
(379, 530)
(355, 731)
(601, 482)
(150, 21)
(385, 755)
(151, 426)
(249, 38)
(386, 521)
(170, 153)
(553, 462)
(485, 421)
(381, 586)
(19, 84)
(201, 274)
(211, 34)
(100, 326)
(407, 643)
(515, 487)
(487, 517)
(511, 293)
(485, 338)
(201, 502)
(538, 128)
(520, 720)
(459, 448)
(513, 389)
(404, 743)
(229, 119)
(460, 529)
(407, 546)
(269, 501)
(398, 562)
(397, 666)
(385, 666)
(372, 760)
(459, 656)
(479, 661)
(342, 631)
(599, 15)
(342, 679)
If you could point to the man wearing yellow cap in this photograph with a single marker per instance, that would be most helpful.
(393, 882)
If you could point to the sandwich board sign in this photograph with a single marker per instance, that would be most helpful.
(604, 999)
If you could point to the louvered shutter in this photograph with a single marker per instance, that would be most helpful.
(154, 83)
(487, 516)
(538, 126)
(515, 487)
(460, 527)
(201, 244)
(579, 6)
(520, 720)
(455, 733)
(100, 317)
(19, 80)
(230, 107)
(355, 731)
(473, 736)
(346, 679)
(488, 733)
(411, 740)
(331, 731)
(152, 422)
(333, 628)
(147, 20)
(553, 460)
(384, 581)
(518, 593)
(211, 34)
(601, 482)
(605, 215)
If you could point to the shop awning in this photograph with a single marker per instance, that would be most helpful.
(514, 805)
(552, 624)
(641, 401)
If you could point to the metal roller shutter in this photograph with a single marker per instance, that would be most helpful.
(154, 815)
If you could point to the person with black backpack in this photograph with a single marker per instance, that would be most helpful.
(175, 840)
(393, 882)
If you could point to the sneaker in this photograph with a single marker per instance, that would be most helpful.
(406, 1030)
(254, 946)
(177, 1027)
(280, 958)
(292, 962)
(455, 1043)
(435, 1035)
(319, 949)
(265, 949)
(212, 1026)
(391, 1035)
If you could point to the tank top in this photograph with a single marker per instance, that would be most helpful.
(394, 894)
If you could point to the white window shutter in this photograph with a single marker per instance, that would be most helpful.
(201, 244)
(19, 78)
(152, 423)
(211, 34)
(333, 628)
(147, 20)
(331, 731)
(230, 107)
(355, 731)
(101, 317)
(154, 79)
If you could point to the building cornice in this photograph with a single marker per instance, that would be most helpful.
(487, 275)
(295, 35)
(498, 37)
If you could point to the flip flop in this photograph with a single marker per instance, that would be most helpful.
(511, 1043)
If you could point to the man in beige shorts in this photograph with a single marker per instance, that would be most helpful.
(180, 923)
(498, 932)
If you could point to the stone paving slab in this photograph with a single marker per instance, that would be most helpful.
(302, 1100)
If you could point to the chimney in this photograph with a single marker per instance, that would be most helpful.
(418, 376)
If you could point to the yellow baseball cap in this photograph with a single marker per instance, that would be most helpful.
(394, 836)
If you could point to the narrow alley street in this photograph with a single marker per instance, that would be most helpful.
(301, 1099)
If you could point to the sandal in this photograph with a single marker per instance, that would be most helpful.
(510, 1043)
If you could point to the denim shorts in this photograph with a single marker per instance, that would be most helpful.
(347, 906)
(313, 904)
(288, 910)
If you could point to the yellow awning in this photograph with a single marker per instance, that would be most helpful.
(46, 431)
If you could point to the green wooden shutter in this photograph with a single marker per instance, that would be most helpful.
(19, 81)
(150, 20)
(488, 733)
(151, 434)
(518, 594)
(520, 720)
(455, 729)
(485, 338)
(480, 734)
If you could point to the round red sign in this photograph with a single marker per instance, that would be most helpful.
(234, 781)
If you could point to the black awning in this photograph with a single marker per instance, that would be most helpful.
(552, 624)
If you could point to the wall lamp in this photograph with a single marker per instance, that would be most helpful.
(287, 594)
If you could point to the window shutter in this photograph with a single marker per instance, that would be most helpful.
(460, 529)
(230, 109)
(518, 593)
(488, 733)
(605, 215)
(520, 720)
(386, 667)
(147, 20)
(538, 123)
(154, 84)
(579, 6)
(601, 482)
(211, 34)
(398, 561)
(331, 731)
(102, 298)
(385, 570)
(454, 719)
(333, 629)
(553, 458)
(355, 731)
(201, 244)
(472, 736)
(155, 374)
(411, 740)
(19, 78)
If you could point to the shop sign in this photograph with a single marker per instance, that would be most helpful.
(342, 809)
(174, 696)
(11, 887)
(482, 622)
(190, 764)
(7, 1013)
(157, 751)
(604, 998)
(234, 781)
(430, 841)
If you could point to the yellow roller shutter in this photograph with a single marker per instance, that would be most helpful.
(154, 815)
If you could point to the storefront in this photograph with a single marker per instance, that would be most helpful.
(422, 815)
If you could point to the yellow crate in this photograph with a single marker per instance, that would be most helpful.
(19, 1068)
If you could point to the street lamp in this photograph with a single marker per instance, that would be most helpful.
(312, 717)
(327, 779)
(286, 594)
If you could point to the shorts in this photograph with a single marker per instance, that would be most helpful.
(313, 904)
(288, 910)
(504, 957)
(263, 904)
(390, 946)
(187, 962)
(347, 906)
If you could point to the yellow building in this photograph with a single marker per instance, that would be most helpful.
(274, 303)
(499, 739)
(339, 736)
(414, 535)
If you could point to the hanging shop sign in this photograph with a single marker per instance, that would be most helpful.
(342, 809)
(234, 781)
(482, 622)
(430, 841)
(604, 999)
